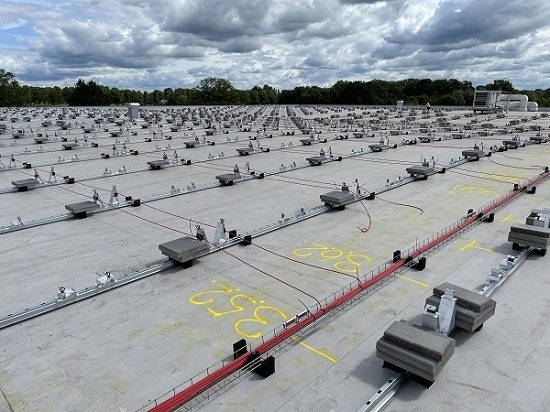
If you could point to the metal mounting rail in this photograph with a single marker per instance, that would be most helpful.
(110, 173)
(87, 292)
(387, 391)
(178, 192)
(68, 297)
(76, 296)
(491, 287)
(83, 159)
(203, 382)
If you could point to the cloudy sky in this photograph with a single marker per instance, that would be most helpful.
(154, 44)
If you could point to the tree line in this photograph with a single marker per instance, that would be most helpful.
(217, 91)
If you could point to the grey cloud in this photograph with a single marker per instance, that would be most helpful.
(472, 22)
(283, 43)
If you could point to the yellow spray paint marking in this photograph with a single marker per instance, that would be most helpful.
(311, 348)
(413, 280)
(476, 189)
(471, 245)
(222, 300)
(510, 179)
(347, 262)
(506, 218)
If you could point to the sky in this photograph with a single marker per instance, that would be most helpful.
(158, 44)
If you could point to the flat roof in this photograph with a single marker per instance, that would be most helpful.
(126, 348)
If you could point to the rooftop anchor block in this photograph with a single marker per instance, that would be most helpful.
(24, 184)
(316, 160)
(529, 235)
(69, 146)
(422, 353)
(184, 250)
(420, 171)
(245, 151)
(337, 198)
(81, 209)
(378, 147)
(158, 164)
(533, 139)
(228, 178)
(510, 144)
(473, 154)
(472, 309)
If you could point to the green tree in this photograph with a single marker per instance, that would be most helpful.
(500, 84)
(169, 96)
(216, 91)
(8, 88)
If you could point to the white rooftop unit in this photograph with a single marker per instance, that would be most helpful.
(532, 107)
(133, 110)
(486, 101)
(513, 102)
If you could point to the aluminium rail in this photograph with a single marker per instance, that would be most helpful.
(49, 306)
(196, 387)
(78, 296)
(67, 216)
(123, 154)
(384, 395)
(46, 307)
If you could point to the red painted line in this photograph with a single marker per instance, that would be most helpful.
(195, 389)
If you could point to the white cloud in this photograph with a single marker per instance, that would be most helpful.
(154, 44)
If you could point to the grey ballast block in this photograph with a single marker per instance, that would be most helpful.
(337, 198)
(466, 319)
(24, 184)
(419, 170)
(157, 164)
(184, 249)
(245, 151)
(465, 298)
(80, 209)
(315, 160)
(530, 230)
(377, 147)
(429, 344)
(420, 352)
(410, 361)
(537, 212)
(526, 240)
(228, 178)
(473, 153)
(69, 146)
(513, 236)
(511, 143)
